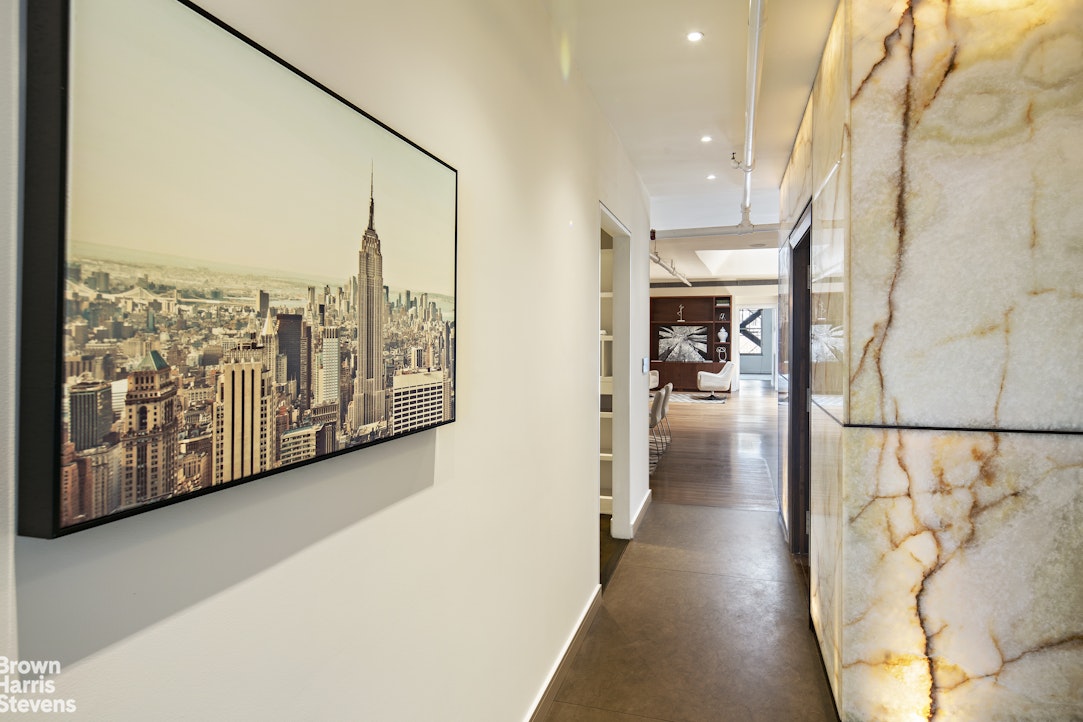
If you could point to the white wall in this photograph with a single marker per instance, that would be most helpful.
(436, 577)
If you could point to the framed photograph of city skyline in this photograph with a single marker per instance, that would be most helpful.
(228, 269)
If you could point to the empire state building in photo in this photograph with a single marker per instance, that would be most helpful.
(369, 400)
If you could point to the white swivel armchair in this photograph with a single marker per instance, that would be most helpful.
(721, 381)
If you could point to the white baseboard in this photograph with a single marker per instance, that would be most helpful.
(641, 513)
(544, 701)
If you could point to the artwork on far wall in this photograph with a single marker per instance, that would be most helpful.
(228, 269)
(682, 343)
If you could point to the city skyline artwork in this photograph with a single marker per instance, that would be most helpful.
(251, 274)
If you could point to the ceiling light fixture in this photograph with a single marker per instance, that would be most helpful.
(706, 139)
(695, 36)
(670, 268)
(711, 176)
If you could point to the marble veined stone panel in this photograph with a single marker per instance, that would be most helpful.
(830, 219)
(825, 540)
(796, 188)
(966, 244)
(830, 103)
(963, 561)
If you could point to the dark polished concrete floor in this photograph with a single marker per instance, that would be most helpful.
(705, 620)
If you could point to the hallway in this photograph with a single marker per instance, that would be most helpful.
(706, 617)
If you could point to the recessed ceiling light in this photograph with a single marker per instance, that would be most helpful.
(706, 139)
(711, 176)
(695, 36)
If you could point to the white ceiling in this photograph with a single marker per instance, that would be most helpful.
(662, 93)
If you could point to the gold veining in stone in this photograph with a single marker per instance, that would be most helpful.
(936, 509)
(900, 41)
(965, 127)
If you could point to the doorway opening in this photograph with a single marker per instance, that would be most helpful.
(615, 380)
(756, 347)
(794, 374)
(605, 373)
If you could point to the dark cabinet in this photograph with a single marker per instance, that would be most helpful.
(689, 334)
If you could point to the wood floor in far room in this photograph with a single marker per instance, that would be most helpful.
(722, 454)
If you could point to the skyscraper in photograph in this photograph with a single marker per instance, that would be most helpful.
(327, 360)
(75, 501)
(264, 303)
(304, 383)
(149, 434)
(420, 400)
(244, 428)
(289, 344)
(91, 404)
(103, 466)
(300, 444)
(327, 416)
(196, 461)
(449, 348)
(369, 395)
(269, 343)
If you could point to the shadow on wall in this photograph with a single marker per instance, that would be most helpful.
(79, 594)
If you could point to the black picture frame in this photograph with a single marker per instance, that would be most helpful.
(163, 256)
